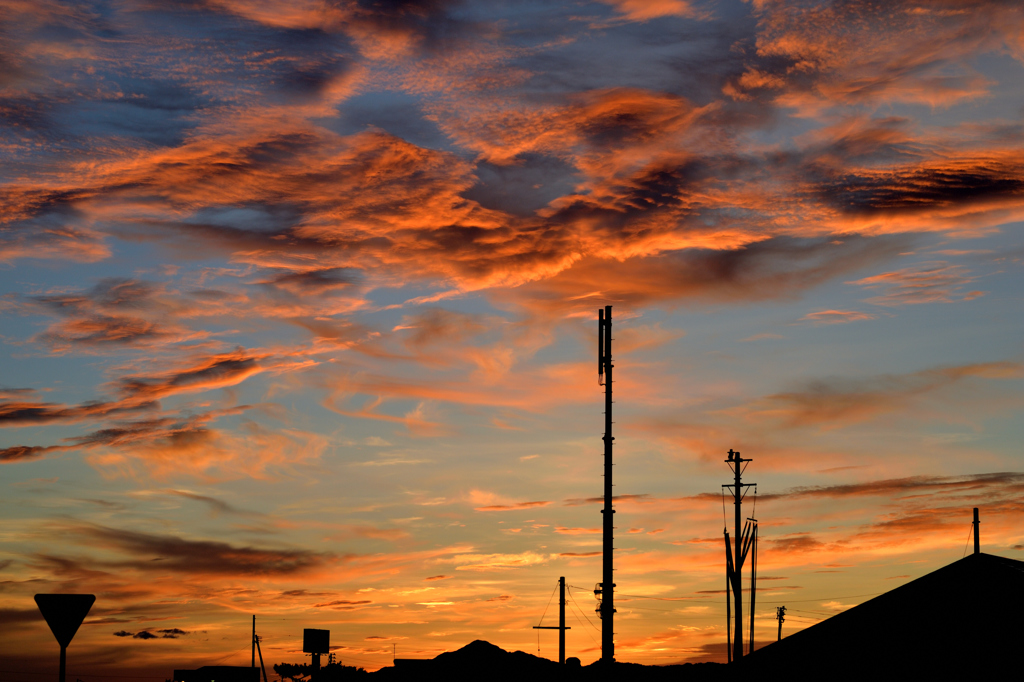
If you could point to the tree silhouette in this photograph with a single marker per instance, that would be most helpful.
(332, 672)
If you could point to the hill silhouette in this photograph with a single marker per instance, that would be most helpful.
(483, 660)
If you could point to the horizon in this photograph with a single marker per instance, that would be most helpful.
(300, 299)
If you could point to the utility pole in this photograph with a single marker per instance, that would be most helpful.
(256, 649)
(606, 590)
(780, 613)
(745, 538)
(977, 532)
(561, 621)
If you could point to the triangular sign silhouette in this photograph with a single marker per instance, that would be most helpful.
(64, 613)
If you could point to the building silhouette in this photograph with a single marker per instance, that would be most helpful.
(962, 620)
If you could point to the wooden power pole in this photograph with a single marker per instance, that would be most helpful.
(606, 590)
(780, 613)
(257, 650)
(561, 621)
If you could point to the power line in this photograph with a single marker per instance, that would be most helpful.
(849, 596)
(715, 601)
(582, 626)
(349, 657)
(582, 611)
(648, 608)
(546, 607)
(638, 596)
(968, 541)
(819, 613)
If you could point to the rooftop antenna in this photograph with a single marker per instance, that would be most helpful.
(605, 591)
(561, 621)
(745, 539)
(977, 535)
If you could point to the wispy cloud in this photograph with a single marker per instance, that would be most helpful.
(836, 316)
(838, 401)
(936, 282)
(513, 506)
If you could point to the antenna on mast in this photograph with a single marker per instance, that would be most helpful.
(605, 591)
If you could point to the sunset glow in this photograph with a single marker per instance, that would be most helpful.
(300, 308)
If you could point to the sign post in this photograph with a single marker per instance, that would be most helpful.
(64, 613)
(316, 642)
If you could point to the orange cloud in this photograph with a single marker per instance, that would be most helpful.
(513, 506)
(644, 10)
(836, 316)
(833, 54)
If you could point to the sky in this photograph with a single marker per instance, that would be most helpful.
(299, 309)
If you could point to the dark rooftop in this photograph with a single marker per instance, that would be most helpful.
(964, 619)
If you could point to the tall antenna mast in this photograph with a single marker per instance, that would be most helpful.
(606, 589)
(745, 538)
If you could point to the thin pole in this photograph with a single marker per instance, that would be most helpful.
(63, 662)
(977, 532)
(780, 613)
(561, 620)
(753, 582)
(728, 597)
(262, 667)
(737, 586)
(253, 665)
(608, 572)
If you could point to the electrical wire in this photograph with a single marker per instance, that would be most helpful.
(715, 601)
(357, 659)
(800, 601)
(638, 596)
(596, 629)
(547, 606)
(819, 613)
(574, 615)
(584, 613)
(968, 541)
